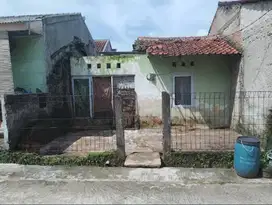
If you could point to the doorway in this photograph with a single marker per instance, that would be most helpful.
(102, 91)
(82, 95)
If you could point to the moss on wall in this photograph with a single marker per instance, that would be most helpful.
(112, 58)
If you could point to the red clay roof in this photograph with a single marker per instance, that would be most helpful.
(100, 45)
(180, 46)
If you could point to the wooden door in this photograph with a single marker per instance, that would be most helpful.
(102, 91)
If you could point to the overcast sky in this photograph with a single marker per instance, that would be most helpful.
(123, 21)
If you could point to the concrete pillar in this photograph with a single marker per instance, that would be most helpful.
(166, 119)
(6, 77)
(119, 119)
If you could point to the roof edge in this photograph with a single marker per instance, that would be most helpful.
(229, 3)
(105, 46)
(44, 15)
(33, 18)
(214, 17)
(140, 38)
(159, 44)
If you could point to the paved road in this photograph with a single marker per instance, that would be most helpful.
(60, 185)
(35, 192)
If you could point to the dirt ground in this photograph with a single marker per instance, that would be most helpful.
(144, 140)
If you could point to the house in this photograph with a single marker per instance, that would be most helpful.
(35, 53)
(27, 44)
(185, 67)
(103, 45)
(247, 24)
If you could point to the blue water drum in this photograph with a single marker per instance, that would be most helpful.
(247, 157)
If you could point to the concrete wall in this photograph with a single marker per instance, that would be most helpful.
(210, 74)
(257, 62)
(6, 79)
(28, 63)
(227, 22)
(60, 31)
(257, 37)
(19, 111)
(255, 24)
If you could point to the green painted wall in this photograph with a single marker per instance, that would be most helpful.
(211, 82)
(28, 63)
(210, 73)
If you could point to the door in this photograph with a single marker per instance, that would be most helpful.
(82, 94)
(125, 87)
(102, 97)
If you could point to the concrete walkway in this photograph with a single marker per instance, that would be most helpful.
(51, 185)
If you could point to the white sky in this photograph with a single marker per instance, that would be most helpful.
(124, 20)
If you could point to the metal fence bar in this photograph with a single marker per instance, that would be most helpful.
(213, 121)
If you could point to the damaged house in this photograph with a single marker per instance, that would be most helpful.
(27, 43)
(179, 66)
(35, 53)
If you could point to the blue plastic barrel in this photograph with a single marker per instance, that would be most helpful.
(247, 157)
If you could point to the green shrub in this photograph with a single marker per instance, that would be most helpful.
(203, 159)
(92, 159)
(199, 159)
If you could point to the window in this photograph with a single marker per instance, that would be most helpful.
(108, 65)
(98, 65)
(118, 65)
(89, 66)
(183, 90)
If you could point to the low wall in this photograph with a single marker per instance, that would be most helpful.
(19, 112)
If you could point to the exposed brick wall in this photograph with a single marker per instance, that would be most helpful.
(6, 78)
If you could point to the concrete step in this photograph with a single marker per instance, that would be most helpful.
(143, 160)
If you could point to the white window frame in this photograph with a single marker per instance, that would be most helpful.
(192, 89)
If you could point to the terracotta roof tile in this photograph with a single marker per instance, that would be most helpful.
(180, 46)
(100, 45)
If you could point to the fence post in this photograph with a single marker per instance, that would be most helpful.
(120, 135)
(4, 123)
(166, 119)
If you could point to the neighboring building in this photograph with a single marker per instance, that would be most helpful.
(248, 25)
(103, 46)
(27, 44)
(180, 66)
